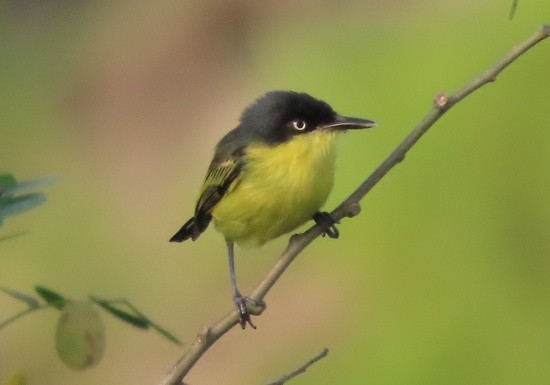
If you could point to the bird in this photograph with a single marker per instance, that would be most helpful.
(270, 175)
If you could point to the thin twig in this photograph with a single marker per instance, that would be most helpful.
(348, 208)
(301, 369)
(23, 313)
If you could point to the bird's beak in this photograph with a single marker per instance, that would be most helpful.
(348, 123)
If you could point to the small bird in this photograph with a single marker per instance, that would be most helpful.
(269, 175)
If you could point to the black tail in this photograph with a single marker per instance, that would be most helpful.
(191, 229)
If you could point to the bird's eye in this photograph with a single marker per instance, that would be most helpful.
(299, 124)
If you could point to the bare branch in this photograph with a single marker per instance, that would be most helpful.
(348, 208)
(301, 369)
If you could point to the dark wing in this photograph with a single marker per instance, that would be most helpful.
(221, 174)
(216, 184)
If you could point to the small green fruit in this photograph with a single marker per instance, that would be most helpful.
(80, 335)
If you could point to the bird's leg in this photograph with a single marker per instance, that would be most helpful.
(240, 300)
(327, 224)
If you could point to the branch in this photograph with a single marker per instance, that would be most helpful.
(301, 369)
(348, 208)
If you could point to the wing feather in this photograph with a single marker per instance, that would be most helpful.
(221, 174)
(216, 184)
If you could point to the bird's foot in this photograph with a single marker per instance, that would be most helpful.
(246, 307)
(327, 224)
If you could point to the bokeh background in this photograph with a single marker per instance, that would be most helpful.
(444, 278)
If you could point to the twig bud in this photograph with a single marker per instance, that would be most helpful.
(441, 99)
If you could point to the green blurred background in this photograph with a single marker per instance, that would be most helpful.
(443, 279)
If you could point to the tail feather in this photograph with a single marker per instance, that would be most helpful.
(191, 229)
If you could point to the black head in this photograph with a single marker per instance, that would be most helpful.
(279, 115)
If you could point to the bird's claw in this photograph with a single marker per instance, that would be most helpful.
(242, 304)
(327, 223)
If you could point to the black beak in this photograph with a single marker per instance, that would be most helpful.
(348, 123)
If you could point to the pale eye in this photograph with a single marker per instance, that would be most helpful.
(299, 124)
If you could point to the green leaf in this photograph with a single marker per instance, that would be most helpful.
(10, 236)
(32, 184)
(10, 205)
(513, 9)
(13, 202)
(135, 320)
(153, 325)
(51, 297)
(7, 181)
(30, 301)
(165, 333)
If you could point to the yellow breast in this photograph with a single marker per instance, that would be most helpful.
(280, 188)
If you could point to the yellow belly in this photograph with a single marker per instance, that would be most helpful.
(280, 189)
